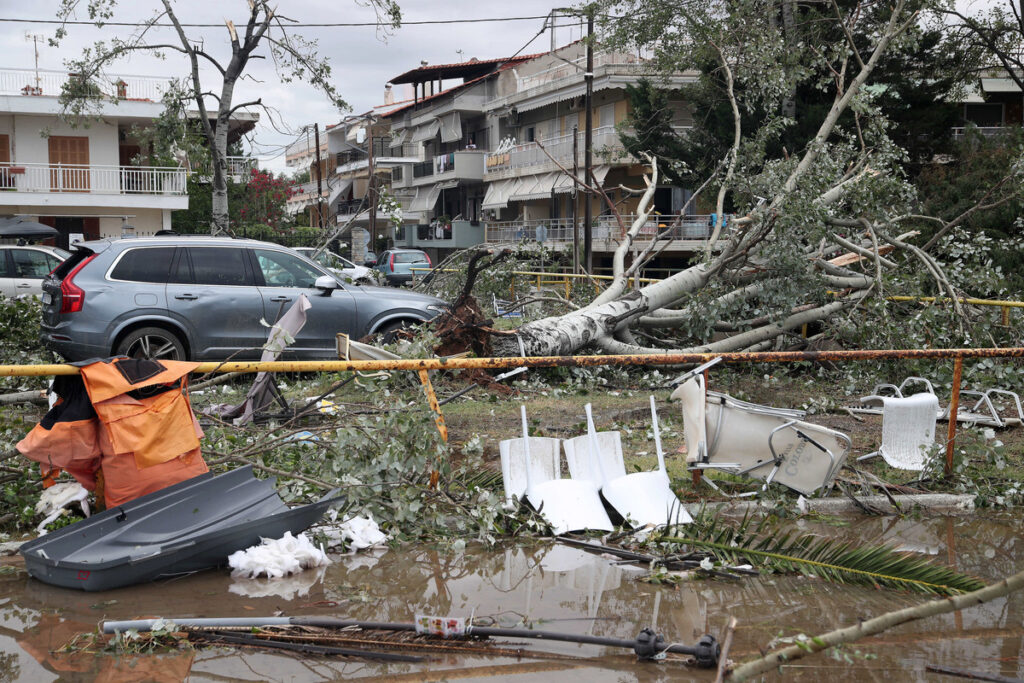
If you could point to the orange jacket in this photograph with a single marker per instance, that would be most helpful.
(133, 420)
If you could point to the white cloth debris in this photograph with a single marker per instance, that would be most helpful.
(359, 532)
(59, 496)
(287, 588)
(275, 558)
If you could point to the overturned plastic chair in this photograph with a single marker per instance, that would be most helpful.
(908, 430)
(566, 505)
(642, 498)
(988, 409)
(762, 442)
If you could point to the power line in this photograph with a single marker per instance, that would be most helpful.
(378, 24)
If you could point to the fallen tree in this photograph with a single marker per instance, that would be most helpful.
(813, 235)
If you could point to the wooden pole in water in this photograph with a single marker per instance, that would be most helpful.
(954, 407)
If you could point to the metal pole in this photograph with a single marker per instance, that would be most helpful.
(588, 143)
(574, 198)
(371, 195)
(954, 406)
(319, 179)
(546, 361)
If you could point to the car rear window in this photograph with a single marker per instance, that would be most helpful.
(219, 266)
(144, 265)
(410, 257)
(77, 256)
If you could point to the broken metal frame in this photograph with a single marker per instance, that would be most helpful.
(417, 364)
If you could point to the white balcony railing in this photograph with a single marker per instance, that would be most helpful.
(559, 230)
(960, 132)
(576, 68)
(92, 179)
(49, 83)
(560, 147)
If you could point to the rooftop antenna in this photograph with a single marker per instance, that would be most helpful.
(36, 38)
(460, 53)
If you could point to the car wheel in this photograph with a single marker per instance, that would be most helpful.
(391, 332)
(152, 342)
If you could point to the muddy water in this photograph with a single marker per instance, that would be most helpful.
(554, 588)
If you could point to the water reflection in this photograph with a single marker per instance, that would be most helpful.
(551, 587)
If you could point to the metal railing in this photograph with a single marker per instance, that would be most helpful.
(559, 230)
(576, 68)
(50, 83)
(960, 132)
(423, 169)
(347, 208)
(92, 179)
(559, 147)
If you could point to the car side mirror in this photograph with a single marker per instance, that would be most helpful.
(326, 284)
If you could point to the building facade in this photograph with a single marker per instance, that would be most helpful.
(90, 181)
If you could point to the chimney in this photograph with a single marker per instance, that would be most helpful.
(389, 97)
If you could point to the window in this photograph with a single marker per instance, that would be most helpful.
(989, 114)
(144, 265)
(5, 270)
(33, 264)
(217, 266)
(410, 257)
(284, 270)
(606, 115)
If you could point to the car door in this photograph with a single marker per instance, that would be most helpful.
(6, 273)
(282, 277)
(30, 267)
(212, 294)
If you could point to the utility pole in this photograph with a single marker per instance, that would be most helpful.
(371, 194)
(588, 143)
(319, 179)
(575, 197)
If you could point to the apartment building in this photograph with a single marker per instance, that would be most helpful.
(87, 181)
(312, 196)
(498, 151)
(361, 147)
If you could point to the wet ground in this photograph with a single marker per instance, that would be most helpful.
(553, 588)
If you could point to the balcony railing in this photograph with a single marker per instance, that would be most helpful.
(49, 83)
(347, 208)
(92, 179)
(559, 230)
(423, 169)
(559, 147)
(576, 68)
(960, 132)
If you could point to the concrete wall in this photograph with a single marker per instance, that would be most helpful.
(28, 146)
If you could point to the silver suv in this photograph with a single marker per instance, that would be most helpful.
(203, 298)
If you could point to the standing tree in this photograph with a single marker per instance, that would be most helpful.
(838, 190)
(266, 33)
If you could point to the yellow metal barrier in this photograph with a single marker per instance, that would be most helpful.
(421, 365)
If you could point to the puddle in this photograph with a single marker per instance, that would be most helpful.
(551, 587)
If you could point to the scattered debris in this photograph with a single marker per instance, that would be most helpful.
(57, 497)
(277, 558)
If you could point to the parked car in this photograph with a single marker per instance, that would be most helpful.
(23, 267)
(396, 264)
(336, 264)
(370, 259)
(202, 298)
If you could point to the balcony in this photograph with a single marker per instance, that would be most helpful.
(239, 169)
(49, 83)
(960, 132)
(75, 185)
(350, 208)
(462, 165)
(530, 156)
(691, 229)
(459, 234)
(606, 61)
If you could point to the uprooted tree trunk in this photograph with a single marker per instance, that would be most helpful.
(813, 184)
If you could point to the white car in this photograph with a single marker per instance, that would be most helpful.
(23, 267)
(337, 264)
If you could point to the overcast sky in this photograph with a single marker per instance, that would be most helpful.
(362, 58)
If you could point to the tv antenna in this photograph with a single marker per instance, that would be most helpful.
(36, 38)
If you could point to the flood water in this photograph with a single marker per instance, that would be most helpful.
(551, 587)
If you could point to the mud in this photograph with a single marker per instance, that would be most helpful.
(549, 587)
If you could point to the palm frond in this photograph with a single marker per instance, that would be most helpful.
(830, 559)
